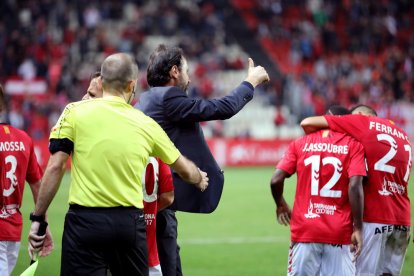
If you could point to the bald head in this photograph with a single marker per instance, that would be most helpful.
(363, 110)
(117, 72)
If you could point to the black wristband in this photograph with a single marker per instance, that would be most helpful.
(37, 218)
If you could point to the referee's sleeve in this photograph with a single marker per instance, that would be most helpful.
(62, 135)
(64, 127)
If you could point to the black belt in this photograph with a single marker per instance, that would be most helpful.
(80, 207)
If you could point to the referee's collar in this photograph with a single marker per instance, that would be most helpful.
(115, 99)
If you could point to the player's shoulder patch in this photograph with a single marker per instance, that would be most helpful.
(6, 129)
(325, 133)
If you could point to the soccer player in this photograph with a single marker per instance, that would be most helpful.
(168, 104)
(95, 87)
(327, 213)
(158, 194)
(387, 206)
(111, 143)
(18, 164)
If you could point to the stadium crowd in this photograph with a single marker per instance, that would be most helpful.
(64, 42)
(340, 52)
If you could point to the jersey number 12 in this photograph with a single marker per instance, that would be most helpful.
(326, 190)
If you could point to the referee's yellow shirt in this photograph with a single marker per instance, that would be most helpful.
(112, 143)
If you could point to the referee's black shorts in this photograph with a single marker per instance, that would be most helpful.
(97, 239)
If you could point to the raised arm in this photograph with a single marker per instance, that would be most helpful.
(181, 108)
(256, 74)
(312, 124)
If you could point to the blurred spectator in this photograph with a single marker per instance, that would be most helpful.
(341, 52)
(329, 52)
(27, 70)
(64, 42)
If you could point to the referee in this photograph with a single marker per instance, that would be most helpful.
(110, 143)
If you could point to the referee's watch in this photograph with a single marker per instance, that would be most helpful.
(37, 218)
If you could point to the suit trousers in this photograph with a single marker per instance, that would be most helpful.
(168, 249)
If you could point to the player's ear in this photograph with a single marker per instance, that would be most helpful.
(131, 86)
(174, 72)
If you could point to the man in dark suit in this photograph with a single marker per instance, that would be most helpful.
(168, 104)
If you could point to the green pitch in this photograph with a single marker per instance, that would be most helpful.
(240, 238)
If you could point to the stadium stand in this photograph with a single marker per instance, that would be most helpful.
(337, 52)
(317, 52)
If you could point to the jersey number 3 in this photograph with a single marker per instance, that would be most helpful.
(10, 174)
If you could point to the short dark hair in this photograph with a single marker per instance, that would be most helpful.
(338, 110)
(95, 75)
(364, 108)
(160, 63)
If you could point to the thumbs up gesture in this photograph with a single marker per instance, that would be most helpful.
(256, 74)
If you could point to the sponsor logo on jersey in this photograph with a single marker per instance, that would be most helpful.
(310, 213)
(149, 218)
(390, 188)
(4, 214)
(317, 209)
(391, 228)
(8, 210)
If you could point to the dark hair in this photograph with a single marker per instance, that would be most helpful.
(338, 110)
(364, 108)
(95, 75)
(160, 63)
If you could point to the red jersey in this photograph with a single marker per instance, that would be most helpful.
(324, 161)
(388, 153)
(18, 164)
(157, 180)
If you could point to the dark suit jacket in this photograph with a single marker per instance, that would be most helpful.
(179, 116)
